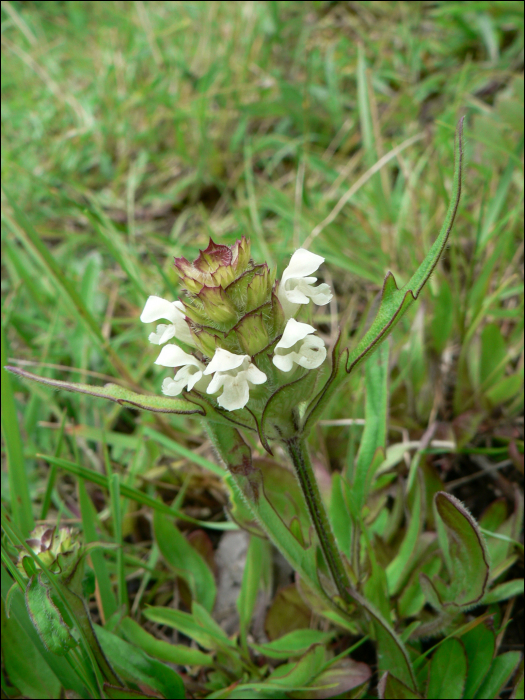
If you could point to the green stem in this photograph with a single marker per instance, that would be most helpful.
(298, 452)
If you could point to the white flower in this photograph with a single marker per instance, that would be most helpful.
(157, 308)
(234, 373)
(297, 288)
(191, 373)
(296, 345)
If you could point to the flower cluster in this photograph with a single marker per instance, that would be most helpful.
(234, 312)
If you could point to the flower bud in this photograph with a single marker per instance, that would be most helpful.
(59, 550)
(230, 301)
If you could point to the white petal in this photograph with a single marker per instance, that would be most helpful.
(170, 387)
(166, 333)
(302, 263)
(311, 354)
(321, 295)
(235, 395)
(173, 356)
(223, 360)
(293, 332)
(216, 383)
(154, 338)
(288, 307)
(190, 375)
(254, 375)
(296, 295)
(157, 308)
(283, 362)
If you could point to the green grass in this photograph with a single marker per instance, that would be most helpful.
(131, 132)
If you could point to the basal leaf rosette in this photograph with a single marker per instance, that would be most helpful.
(242, 343)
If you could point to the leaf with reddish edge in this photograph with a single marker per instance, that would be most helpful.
(337, 679)
(391, 687)
(113, 392)
(394, 301)
(468, 552)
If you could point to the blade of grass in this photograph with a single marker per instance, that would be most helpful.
(18, 482)
(88, 514)
(138, 496)
(46, 502)
(24, 230)
(114, 493)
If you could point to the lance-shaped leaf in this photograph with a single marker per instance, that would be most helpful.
(448, 671)
(391, 687)
(394, 301)
(113, 392)
(466, 556)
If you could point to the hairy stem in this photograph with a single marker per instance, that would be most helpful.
(298, 452)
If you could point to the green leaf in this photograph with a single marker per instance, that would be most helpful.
(258, 558)
(448, 671)
(136, 666)
(480, 644)
(497, 678)
(170, 444)
(338, 678)
(116, 693)
(188, 625)
(69, 676)
(300, 673)
(294, 643)
(467, 557)
(493, 354)
(26, 233)
(46, 618)
(392, 688)
(394, 301)
(517, 693)
(23, 663)
(391, 652)
(371, 450)
(509, 589)
(185, 560)
(134, 494)
(113, 392)
(21, 510)
(244, 478)
(399, 567)
(179, 654)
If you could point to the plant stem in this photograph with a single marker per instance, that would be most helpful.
(298, 452)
